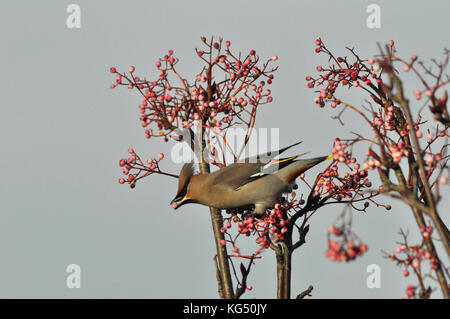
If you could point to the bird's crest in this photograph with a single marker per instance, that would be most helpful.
(185, 175)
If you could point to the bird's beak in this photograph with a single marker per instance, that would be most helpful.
(177, 202)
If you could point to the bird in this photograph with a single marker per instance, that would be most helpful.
(254, 183)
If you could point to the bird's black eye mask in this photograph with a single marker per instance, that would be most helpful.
(183, 191)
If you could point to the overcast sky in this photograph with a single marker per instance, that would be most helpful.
(63, 131)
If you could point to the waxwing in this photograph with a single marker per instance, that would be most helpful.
(255, 182)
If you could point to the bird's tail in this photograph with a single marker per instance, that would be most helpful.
(297, 167)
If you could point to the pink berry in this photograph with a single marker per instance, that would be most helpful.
(158, 64)
(406, 273)
(222, 242)
(227, 43)
(249, 287)
(121, 180)
(391, 43)
(160, 156)
(170, 52)
(131, 69)
(112, 70)
(130, 150)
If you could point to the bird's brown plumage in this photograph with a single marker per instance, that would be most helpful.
(244, 184)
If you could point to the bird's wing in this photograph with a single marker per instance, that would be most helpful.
(239, 174)
(269, 168)
(235, 175)
(266, 157)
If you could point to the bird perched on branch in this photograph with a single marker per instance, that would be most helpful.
(255, 182)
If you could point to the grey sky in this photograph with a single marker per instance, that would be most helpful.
(63, 131)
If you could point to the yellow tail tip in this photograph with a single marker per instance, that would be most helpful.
(329, 157)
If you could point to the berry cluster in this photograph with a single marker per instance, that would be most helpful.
(342, 73)
(270, 228)
(227, 89)
(349, 185)
(413, 257)
(345, 247)
(134, 168)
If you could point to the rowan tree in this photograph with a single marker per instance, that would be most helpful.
(229, 90)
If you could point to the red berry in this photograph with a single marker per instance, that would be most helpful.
(112, 70)
(131, 69)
